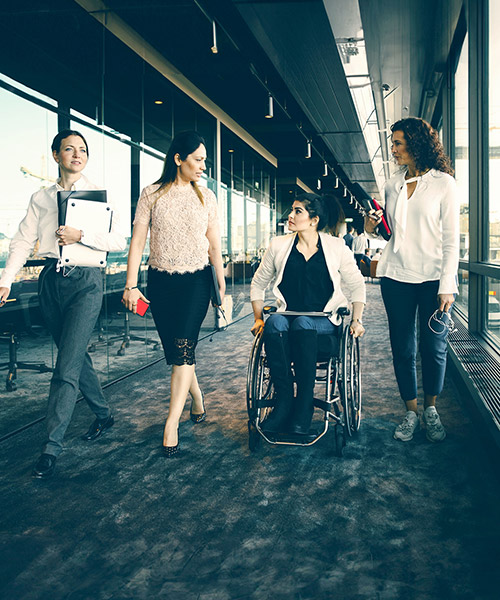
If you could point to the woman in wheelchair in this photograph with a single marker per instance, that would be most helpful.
(306, 268)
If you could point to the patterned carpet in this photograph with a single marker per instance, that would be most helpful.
(118, 521)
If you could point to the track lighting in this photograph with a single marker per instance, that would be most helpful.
(325, 172)
(351, 199)
(214, 39)
(309, 149)
(270, 108)
(336, 182)
(345, 192)
(319, 184)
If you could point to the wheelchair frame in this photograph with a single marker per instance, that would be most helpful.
(341, 377)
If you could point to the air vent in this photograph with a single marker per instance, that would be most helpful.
(481, 367)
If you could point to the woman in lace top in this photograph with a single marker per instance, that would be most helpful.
(182, 220)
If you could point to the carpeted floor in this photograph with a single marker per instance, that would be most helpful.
(118, 521)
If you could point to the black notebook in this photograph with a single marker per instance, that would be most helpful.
(215, 296)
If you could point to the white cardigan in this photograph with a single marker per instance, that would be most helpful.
(339, 261)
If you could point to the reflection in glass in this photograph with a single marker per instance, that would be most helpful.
(462, 146)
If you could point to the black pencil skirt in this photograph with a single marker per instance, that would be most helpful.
(179, 303)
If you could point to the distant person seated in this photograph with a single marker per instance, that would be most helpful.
(305, 269)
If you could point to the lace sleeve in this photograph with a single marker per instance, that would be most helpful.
(143, 210)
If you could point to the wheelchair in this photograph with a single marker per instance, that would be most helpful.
(338, 377)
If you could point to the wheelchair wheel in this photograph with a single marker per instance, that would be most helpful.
(339, 440)
(259, 386)
(253, 437)
(350, 383)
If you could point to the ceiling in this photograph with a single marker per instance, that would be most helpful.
(287, 48)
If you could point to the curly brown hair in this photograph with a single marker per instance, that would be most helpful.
(422, 143)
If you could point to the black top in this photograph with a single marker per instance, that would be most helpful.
(306, 284)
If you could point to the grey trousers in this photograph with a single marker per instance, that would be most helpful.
(70, 305)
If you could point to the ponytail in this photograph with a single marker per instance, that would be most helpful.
(326, 208)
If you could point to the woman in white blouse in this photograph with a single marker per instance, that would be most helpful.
(70, 297)
(418, 267)
(182, 219)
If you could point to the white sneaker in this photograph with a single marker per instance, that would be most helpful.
(404, 431)
(435, 430)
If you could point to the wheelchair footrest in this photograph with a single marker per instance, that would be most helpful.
(292, 438)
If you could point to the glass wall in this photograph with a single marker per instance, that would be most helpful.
(128, 113)
(494, 133)
(461, 154)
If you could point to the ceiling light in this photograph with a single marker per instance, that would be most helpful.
(230, 150)
(325, 172)
(309, 149)
(214, 39)
(319, 184)
(270, 108)
(336, 183)
(345, 192)
(158, 101)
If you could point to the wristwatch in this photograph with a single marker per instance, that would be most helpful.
(358, 321)
(81, 235)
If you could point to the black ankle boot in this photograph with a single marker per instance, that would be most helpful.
(304, 344)
(278, 360)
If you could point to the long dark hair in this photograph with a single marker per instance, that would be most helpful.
(57, 141)
(326, 208)
(183, 144)
(422, 143)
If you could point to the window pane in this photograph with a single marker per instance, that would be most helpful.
(463, 290)
(493, 308)
(494, 132)
(237, 225)
(462, 146)
(24, 167)
(251, 228)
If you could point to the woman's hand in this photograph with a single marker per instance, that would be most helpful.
(373, 219)
(130, 297)
(68, 235)
(356, 329)
(257, 326)
(445, 301)
(4, 294)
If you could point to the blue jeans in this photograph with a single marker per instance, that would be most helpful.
(299, 342)
(403, 301)
(71, 306)
(277, 323)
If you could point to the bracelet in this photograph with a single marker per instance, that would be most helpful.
(357, 321)
(134, 287)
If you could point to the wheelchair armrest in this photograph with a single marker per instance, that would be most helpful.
(269, 309)
(343, 311)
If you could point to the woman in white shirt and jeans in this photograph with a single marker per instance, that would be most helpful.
(418, 267)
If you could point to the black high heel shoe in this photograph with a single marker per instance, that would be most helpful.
(171, 451)
(198, 418)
